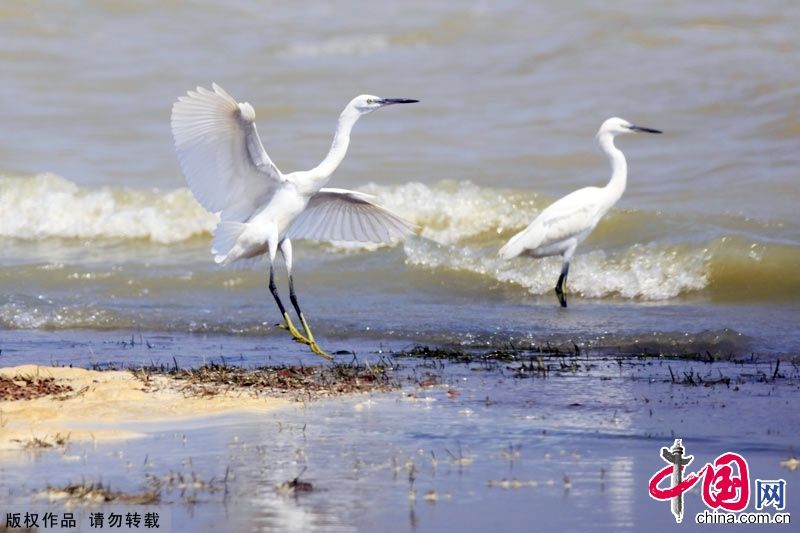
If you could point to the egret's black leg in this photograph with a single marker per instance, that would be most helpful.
(274, 290)
(286, 250)
(289, 324)
(293, 297)
(562, 280)
(312, 343)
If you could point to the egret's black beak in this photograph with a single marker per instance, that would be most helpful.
(390, 101)
(644, 130)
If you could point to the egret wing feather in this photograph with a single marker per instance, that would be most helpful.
(221, 154)
(570, 216)
(343, 215)
(564, 219)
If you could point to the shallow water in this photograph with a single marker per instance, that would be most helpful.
(488, 447)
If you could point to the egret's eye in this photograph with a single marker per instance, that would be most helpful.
(370, 101)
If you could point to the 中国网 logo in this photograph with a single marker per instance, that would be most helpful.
(725, 487)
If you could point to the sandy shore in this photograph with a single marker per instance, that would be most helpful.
(80, 404)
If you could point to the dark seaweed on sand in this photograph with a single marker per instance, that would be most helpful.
(549, 361)
(24, 387)
(298, 382)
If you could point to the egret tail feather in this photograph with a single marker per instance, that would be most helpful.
(514, 247)
(225, 237)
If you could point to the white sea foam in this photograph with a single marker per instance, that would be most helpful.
(50, 206)
(452, 211)
(650, 272)
(461, 227)
(463, 224)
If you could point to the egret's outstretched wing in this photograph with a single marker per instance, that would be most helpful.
(342, 215)
(566, 218)
(220, 153)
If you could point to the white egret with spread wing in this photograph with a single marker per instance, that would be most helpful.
(261, 209)
(567, 222)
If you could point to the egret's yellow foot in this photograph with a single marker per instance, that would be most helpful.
(319, 351)
(307, 329)
(289, 326)
(313, 344)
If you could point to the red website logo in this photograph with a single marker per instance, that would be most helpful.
(726, 482)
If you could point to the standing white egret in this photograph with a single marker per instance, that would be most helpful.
(260, 208)
(567, 222)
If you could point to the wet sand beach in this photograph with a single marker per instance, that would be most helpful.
(41, 405)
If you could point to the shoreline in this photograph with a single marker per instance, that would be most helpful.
(96, 405)
(46, 406)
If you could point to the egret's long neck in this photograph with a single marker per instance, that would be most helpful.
(619, 168)
(341, 140)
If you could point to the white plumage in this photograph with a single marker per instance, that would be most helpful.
(558, 225)
(567, 222)
(261, 209)
(221, 155)
(342, 215)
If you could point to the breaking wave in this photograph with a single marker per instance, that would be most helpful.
(50, 206)
(631, 255)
